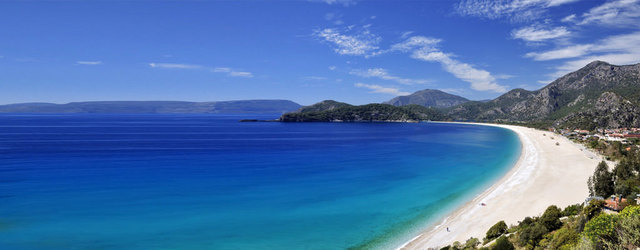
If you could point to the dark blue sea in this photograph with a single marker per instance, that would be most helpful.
(96, 181)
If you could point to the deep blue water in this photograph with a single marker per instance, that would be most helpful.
(210, 182)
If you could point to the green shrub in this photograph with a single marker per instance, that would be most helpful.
(551, 218)
(497, 230)
(572, 210)
(471, 243)
(593, 208)
(628, 228)
(530, 235)
(503, 243)
(601, 229)
(564, 238)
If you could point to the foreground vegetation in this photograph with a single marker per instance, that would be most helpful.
(574, 227)
(578, 226)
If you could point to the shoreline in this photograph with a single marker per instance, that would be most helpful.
(527, 189)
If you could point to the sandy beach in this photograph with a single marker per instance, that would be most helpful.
(545, 174)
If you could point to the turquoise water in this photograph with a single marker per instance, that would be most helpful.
(209, 182)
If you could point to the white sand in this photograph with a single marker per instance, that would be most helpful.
(544, 175)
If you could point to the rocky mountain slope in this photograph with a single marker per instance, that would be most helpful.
(429, 98)
(578, 98)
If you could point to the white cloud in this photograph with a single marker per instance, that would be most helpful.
(537, 33)
(332, 68)
(334, 18)
(416, 42)
(345, 3)
(314, 78)
(504, 76)
(480, 80)
(231, 72)
(228, 71)
(174, 66)
(361, 44)
(614, 13)
(406, 34)
(241, 74)
(424, 48)
(515, 10)
(87, 62)
(380, 89)
(569, 19)
(383, 74)
(566, 52)
(618, 49)
(221, 70)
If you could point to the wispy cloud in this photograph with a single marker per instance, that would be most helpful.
(618, 49)
(561, 53)
(420, 47)
(480, 80)
(231, 72)
(334, 18)
(89, 62)
(425, 49)
(345, 3)
(614, 13)
(537, 33)
(380, 89)
(514, 10)
(227, 70)
(361, 43)
(175, 66)
(314, 78)
(383, 74)
(415, 42)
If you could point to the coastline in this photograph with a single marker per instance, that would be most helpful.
(527, 189)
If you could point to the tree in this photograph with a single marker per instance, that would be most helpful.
(551, 218)
(623, 171)
(496, 230)
(572, 210)
(593, 208)
(601, 183)
(472, 243)
(531, 235)
(503, 243)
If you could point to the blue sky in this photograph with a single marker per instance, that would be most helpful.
(306, 51)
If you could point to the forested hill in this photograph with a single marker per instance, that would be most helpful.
(331, 111)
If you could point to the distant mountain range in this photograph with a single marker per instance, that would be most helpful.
(598, 95)
(429, 98)
(156, 107)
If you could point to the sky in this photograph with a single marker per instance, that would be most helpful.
(305, 51)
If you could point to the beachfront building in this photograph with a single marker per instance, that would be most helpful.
(615, 203)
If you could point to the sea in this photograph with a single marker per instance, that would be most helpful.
(183, 181)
